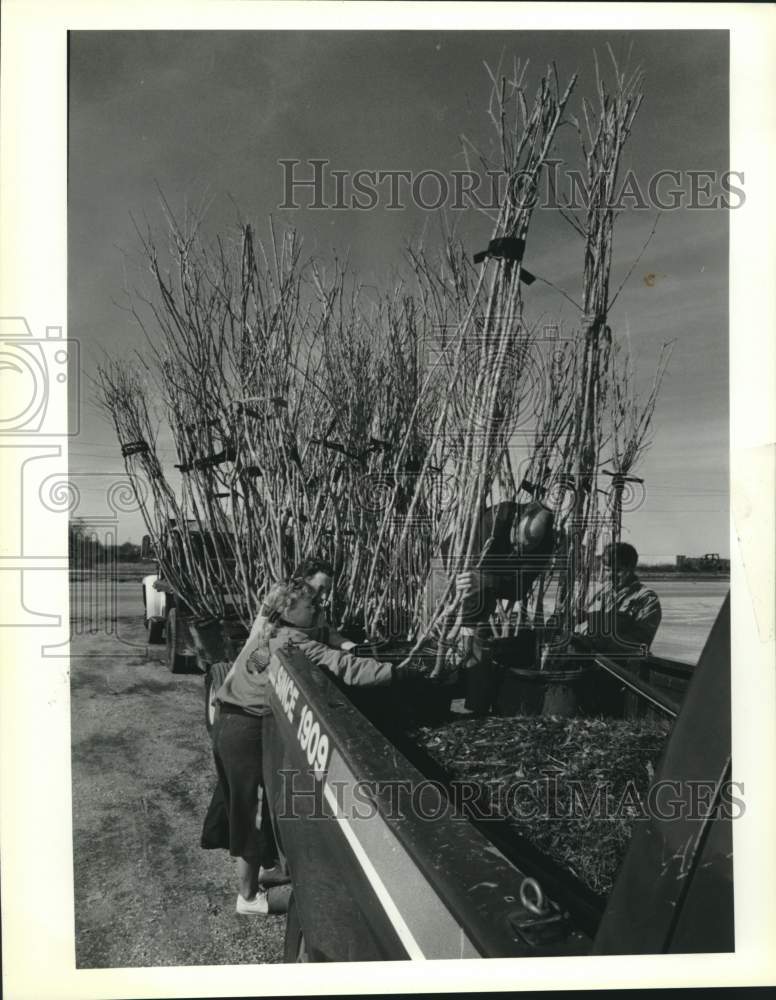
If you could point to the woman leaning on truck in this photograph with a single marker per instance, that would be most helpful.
(290, 613)
(318, 574)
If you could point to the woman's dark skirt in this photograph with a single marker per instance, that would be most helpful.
(237, 819)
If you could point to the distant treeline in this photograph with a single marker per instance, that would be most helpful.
(85, 548)
(694, 567)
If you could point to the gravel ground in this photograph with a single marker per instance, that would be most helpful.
(146, 894)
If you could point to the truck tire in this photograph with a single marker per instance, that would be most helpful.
(294, 945)
(155, 632)
(214, 678)
(177, 660)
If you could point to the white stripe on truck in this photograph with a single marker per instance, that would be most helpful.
(424, 925)
(380, 890)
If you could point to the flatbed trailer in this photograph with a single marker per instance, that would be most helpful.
(386, 865)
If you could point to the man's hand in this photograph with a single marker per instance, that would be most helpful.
(419, 664)
(424, 665)
(347, 645)
(467, 583)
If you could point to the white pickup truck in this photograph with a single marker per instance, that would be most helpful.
(154, 609)
(165, 623)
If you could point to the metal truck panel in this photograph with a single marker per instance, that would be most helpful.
(680, 865)
(372, 861)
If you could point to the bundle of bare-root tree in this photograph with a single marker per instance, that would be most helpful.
(590, 427)
(308, 419)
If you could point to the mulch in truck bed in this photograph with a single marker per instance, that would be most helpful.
(572, 787)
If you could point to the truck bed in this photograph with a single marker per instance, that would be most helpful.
(391, 858)
(374, 842)
(560, 796)
(571, 787)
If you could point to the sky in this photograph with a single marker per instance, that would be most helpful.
(209, 115)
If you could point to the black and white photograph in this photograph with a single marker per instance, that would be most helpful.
(392, 419)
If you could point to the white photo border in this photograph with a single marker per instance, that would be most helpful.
(35, 823)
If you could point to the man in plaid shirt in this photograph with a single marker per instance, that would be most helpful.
(623, 612)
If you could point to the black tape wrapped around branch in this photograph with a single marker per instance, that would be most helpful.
(228, 454)
(510, 249)
(134, 448)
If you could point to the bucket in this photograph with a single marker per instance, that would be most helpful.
(527, 691)
(216, 640)
(278, 898)
(487, 659)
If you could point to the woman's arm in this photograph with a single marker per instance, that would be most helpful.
(356, 671)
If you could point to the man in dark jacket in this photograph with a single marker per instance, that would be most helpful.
(623, 614)
(519, 539)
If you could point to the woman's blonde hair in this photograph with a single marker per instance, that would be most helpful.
(280, 597)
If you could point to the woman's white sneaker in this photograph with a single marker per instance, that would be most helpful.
(257, 907)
